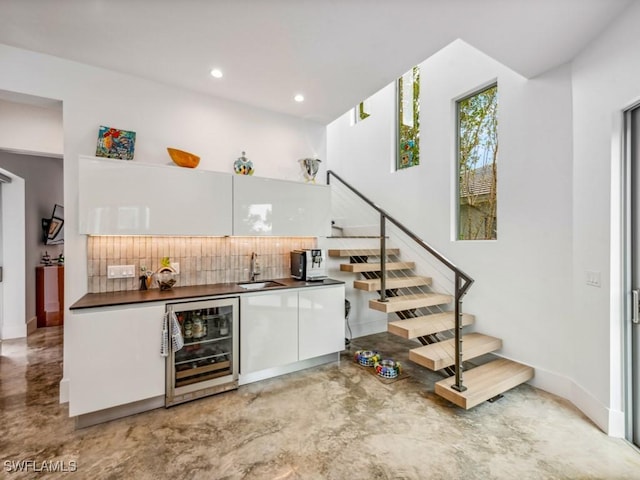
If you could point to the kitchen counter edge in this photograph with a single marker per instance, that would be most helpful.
(133, 297)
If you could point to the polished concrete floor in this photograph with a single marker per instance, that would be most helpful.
(333, 422)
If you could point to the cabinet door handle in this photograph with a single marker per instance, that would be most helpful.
(634, 306)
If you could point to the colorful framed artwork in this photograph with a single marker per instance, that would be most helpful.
(114, 143)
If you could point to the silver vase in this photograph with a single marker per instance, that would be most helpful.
(310, 168)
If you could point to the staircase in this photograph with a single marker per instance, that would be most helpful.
(430, 317)
(483, 382)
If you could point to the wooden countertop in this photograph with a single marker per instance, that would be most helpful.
(109, 299)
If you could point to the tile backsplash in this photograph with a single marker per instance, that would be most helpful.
(203, 260)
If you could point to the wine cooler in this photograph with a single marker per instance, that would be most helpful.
(208, 362)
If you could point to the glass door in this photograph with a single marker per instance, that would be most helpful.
(208, 361)
(632, 327)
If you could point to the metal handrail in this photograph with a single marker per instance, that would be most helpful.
(460, 289)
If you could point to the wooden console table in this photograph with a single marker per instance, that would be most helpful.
(50, 296)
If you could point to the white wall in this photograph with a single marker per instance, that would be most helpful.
(13, 253)
(161, 116)
(522, 290)
(605, 82)
(30, 128)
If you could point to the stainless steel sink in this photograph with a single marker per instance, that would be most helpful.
(259, 285)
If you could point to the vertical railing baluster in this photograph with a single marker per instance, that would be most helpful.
(458, 386)
(383, 259)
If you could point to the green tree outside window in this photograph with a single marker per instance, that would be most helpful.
(477, 165)
(408, 111)
(363, 111)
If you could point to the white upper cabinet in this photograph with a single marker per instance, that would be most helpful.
(264, 206)
(119, 197)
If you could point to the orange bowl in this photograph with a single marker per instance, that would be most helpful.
(182, 158)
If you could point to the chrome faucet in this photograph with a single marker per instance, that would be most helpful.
(254, 268)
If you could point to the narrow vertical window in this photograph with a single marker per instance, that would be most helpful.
(364, 110)
(361, 112)
(408, 114)
(477, 118)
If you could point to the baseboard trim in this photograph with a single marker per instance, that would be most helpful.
(64, 390)
(617, 424)
(292, 367)
(32, 325)
(14, 331)
(611, 422)
(108, 414)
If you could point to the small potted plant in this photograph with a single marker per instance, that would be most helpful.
(165, 275)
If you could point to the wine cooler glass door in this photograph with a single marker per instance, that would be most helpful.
(208, 361)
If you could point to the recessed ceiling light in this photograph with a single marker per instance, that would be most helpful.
(299, 98)
(216, 73)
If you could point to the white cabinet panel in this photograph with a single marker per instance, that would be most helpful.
(118, 197)
(264, 206)
(268, 330)
(114, 357)
(320, 321)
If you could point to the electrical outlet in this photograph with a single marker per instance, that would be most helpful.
(593, 279)
(121, 271)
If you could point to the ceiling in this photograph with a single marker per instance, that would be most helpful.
(335, 52)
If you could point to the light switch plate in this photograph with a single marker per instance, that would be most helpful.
(593, 279)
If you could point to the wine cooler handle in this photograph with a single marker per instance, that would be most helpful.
(635, 306)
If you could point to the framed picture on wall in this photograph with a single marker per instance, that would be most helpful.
(53, 227)
(114, 143)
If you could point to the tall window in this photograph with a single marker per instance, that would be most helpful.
(408, 151)
(361, 112)
(477, 164)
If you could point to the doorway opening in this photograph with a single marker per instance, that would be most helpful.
(31, 155)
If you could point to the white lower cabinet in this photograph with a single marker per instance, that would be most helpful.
(320, 321)
(283, 327)
(268, 330)
(114, 352)
(114, 356)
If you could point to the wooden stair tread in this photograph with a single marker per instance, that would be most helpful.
(361, 252)
(375, 267)
(408, 302)
(437, 356)
(427, 324)
(485, 382)
(373, 285)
